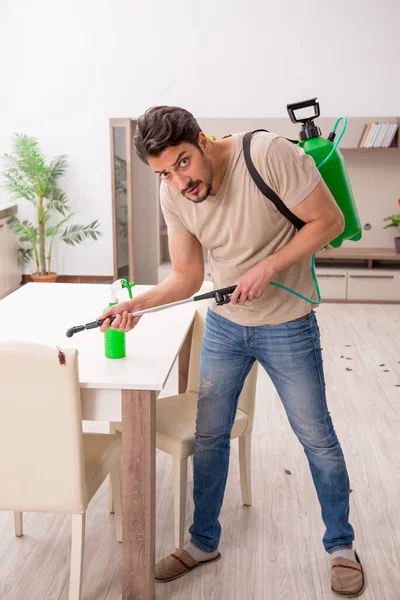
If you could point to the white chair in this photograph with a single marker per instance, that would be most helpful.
(176, 422)
(44, 468)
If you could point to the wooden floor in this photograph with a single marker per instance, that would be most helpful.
(272, 550)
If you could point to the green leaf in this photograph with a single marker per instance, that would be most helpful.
(15, 181)
(120, 176)
(30, 160)
(25, 231)
(24, 255)
(24, 168)
(57, 200)
(76, 234)
(395, 221)
(55, 229)
(122, 228)
(56, 169)
(27, 173)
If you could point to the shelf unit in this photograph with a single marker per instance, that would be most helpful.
(284, 127)
(367, 257)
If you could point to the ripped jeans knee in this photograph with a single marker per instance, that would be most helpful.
(205, 384)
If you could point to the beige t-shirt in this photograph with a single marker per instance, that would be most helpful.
(240, 226)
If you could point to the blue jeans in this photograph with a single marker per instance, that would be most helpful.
(291, 355)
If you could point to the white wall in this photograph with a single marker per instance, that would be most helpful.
(66, 68)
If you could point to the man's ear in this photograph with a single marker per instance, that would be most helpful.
(204, 142)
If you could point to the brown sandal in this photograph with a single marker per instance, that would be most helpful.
(177, 564)
(348, 579)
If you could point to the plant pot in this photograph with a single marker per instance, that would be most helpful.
(48, 278)
(397, 244)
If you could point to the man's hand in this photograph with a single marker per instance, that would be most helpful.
(253, 283)
(123, 321)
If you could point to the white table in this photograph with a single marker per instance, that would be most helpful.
(42, 313)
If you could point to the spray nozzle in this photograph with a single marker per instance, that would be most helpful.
(120, 284)
(128, 286)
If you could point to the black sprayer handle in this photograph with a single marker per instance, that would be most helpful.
(222, 296)
(304, 104)
(94, 324)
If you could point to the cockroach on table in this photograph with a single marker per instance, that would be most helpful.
(61, 357)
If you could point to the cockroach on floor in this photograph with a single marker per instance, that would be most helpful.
(61, 357)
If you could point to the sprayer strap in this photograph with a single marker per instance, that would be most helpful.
(263, 187)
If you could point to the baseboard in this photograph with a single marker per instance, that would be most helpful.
(77, 279)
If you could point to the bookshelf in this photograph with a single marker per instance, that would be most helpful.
(379, 135)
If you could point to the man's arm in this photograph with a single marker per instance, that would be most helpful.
(186, 278)
(324, 222)
(187, 273)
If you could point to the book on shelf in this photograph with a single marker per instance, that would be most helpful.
(379, 135)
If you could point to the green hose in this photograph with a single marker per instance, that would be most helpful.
(337, 141)
(283, 287)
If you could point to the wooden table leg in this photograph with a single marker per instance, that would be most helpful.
(183, 361)
(138, 493)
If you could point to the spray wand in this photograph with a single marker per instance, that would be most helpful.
(221, 296)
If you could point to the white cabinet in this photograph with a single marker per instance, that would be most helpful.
(368, 274)
(373, 284)
(10, 272)
(332, 283)
(363, 285)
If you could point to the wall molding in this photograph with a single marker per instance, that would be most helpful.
(76, 279)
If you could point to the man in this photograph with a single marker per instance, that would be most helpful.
(209, 199)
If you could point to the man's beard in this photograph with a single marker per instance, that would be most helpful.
(207, 183)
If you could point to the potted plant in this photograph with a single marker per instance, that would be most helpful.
(27, 174)
(394, 222)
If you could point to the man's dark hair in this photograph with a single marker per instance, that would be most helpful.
(163, 126)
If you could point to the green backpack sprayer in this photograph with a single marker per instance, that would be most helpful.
(329, 162)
